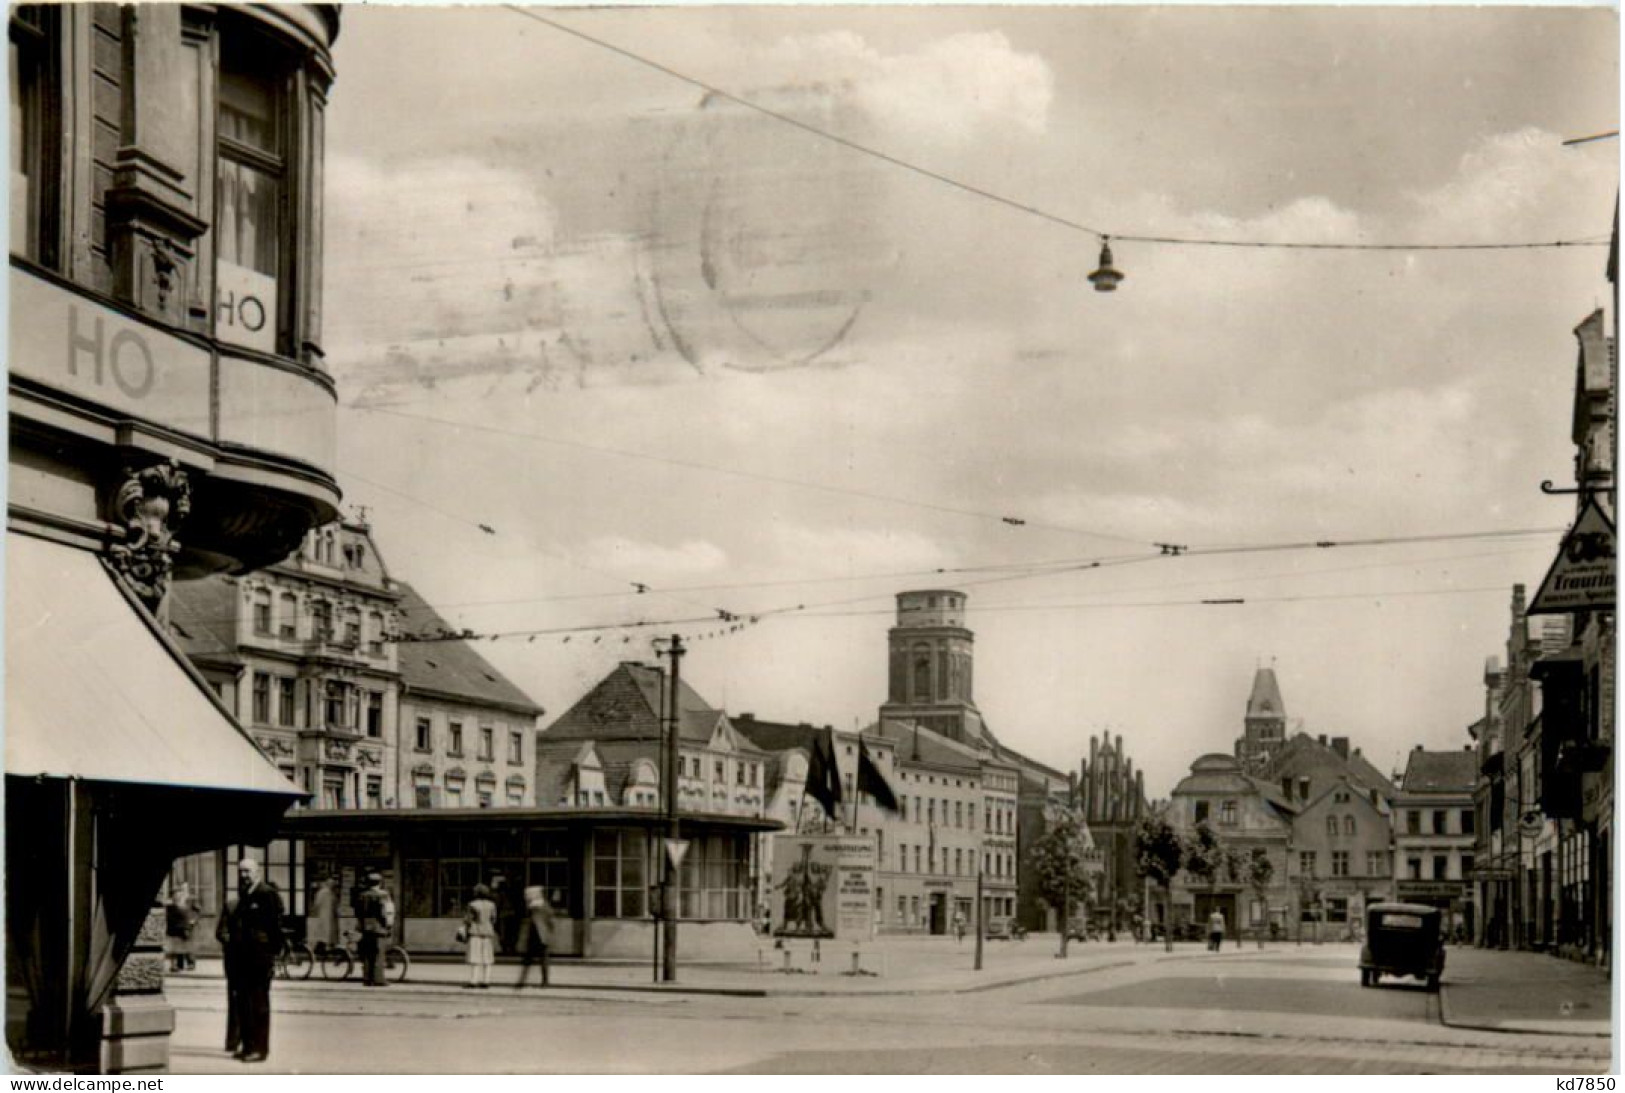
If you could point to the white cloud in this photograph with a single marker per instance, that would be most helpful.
(865, 551)
(651, 563)
(948, 88)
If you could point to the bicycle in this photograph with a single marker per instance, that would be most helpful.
(338, 961)
(294, 960)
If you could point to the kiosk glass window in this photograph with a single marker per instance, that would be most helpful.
(620, 873)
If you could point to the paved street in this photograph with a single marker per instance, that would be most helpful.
(1108, 1009)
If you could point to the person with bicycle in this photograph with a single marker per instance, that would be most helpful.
(375, 915)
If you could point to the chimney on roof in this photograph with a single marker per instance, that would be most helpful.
(1417, 748)
(746, 717)
(1340, 744)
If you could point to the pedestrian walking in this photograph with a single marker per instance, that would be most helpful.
(959, 927)
(322, 927)
(250, 934)
(479, 930)
(1215, 931)
(538, 933)
(180, 918)
(375, 916)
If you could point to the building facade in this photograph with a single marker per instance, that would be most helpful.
(466, 734)
(1435, 840)
(302, 651)
(1245, 813)
(1111, 799)
(1341, 857)
(170, 416)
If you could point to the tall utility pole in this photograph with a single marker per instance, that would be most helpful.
(668, 782)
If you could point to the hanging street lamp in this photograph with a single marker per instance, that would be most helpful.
(1106, 277)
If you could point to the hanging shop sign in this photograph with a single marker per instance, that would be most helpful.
(1582, 575)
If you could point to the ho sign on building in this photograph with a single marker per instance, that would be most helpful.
(1582, 576)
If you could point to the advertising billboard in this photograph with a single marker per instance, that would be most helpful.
(824, 886)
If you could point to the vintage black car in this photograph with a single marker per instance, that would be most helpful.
(1402, 939)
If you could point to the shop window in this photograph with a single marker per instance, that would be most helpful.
(282, 862)
(458, 876)
(1337, 909)
(714, 882)
(36, 108)
(620, 873)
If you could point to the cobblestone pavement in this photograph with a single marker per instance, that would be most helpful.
(1283, 1011)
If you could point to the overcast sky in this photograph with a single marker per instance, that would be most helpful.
(704, 351)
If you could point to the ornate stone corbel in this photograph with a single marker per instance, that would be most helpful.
(151, 503)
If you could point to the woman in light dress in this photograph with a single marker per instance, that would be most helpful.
(479, 925)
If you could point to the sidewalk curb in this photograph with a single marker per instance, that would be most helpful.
(1501, 1026)
(429, 986)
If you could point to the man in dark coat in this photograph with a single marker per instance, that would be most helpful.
(375, 918)
(250, 934)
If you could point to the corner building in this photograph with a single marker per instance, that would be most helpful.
(171, 416)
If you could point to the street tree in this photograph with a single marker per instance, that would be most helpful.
(1158, 854)
(1258, 872)
(1209, 860)
(1059, 861)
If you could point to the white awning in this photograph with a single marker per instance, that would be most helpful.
(94, 690)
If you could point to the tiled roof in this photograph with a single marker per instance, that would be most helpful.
(1441, 771)
(202, 616)
(451, 667)
(626, 705)
(914, 744)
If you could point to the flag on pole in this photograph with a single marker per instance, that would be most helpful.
(872, 782)
(823, 777)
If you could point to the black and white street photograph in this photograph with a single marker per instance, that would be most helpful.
(806, 539)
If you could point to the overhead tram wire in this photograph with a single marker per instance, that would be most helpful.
(740, 620)
(1007, 519)
(1021, 206)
